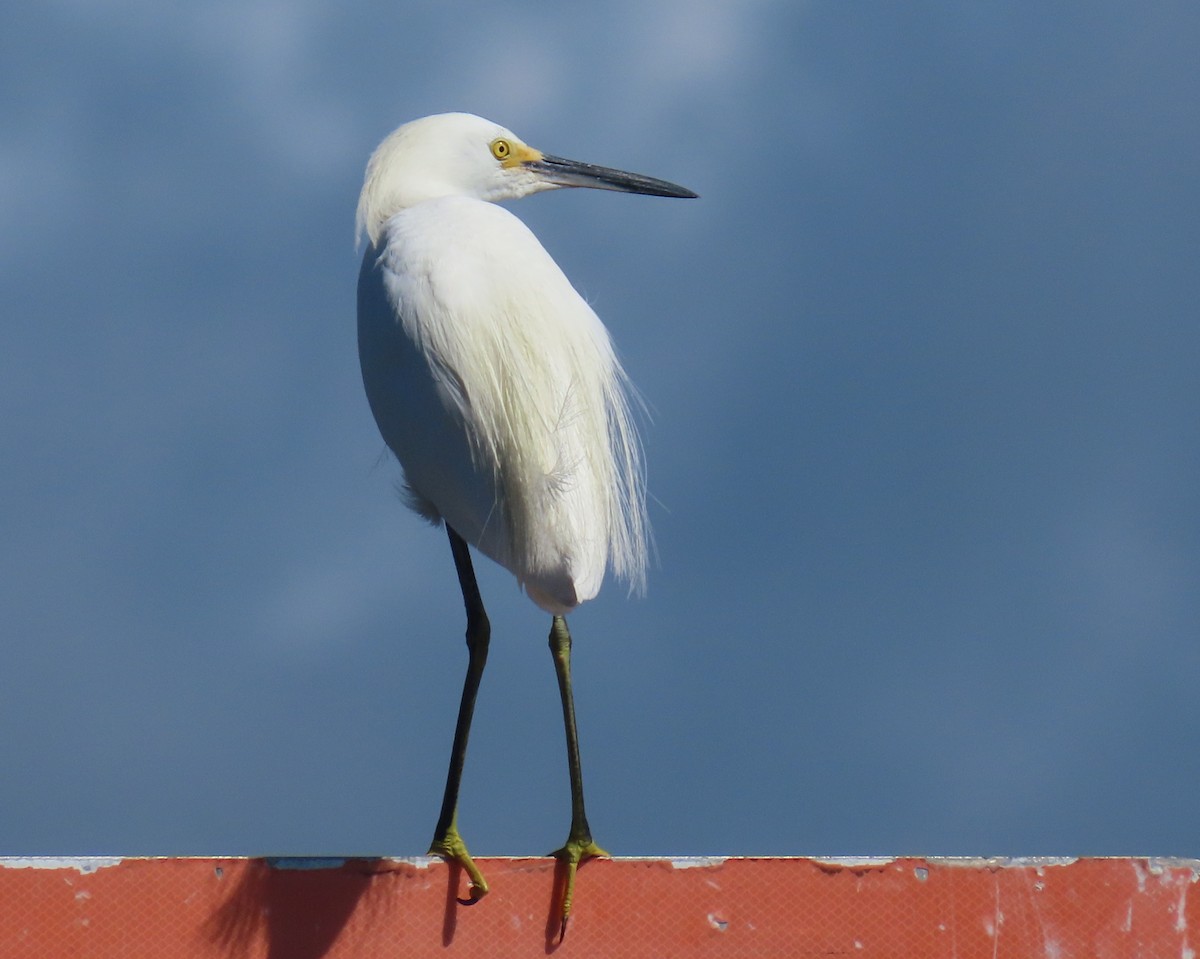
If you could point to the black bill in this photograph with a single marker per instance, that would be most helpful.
(573, 173)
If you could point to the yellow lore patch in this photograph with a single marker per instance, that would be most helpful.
(518, 155)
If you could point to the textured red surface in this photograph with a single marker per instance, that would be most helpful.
(624, 908)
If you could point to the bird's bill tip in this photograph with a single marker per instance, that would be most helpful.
(574, 173)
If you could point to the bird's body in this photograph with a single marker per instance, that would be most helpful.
(497, 388)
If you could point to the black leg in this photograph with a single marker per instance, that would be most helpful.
(579, 842)
(446, 840)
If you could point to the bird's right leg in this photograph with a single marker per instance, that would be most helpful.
(447, 843)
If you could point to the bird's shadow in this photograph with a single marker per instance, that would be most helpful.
(453, 901)
(298, 907)
(556, 928)
(556, 925)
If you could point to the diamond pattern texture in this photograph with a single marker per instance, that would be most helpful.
(624, 908)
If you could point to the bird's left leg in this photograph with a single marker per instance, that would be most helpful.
(447, 842)
(580, 845)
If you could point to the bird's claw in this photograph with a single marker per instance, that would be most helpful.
(452, 848)
(577, 850)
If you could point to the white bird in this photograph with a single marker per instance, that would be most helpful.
(497, 388)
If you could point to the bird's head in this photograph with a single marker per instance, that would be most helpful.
(458, 154)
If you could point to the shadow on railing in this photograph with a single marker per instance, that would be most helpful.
(297, 908)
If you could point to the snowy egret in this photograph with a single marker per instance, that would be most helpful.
(496, 387)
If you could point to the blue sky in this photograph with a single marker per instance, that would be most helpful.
(924, 450)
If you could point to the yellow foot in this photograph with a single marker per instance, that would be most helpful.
(452, 848)
(571, 855)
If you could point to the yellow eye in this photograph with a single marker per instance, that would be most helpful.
(501, 149)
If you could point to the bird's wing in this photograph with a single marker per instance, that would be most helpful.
(497, 388)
